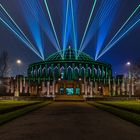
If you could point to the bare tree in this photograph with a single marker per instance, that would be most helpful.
(3, 63)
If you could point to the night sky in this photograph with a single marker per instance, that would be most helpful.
(127, 49)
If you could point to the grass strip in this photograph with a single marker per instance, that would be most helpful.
(127, 108)
(129, 116)
(15, 114)
(14, 108)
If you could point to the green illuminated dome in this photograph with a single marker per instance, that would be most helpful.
(69, 67)
(69, 55)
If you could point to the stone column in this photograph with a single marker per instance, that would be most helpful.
(123, 87)
(43, 89)
(53, 89)
(109, 86)
(85, 89)
(20, 85)
(114, 87)
(17, 87)
(48, 89)
(91, 89)
(128, 88)
(118, 86)
(96, 88)
(26, 87)
(133, 87)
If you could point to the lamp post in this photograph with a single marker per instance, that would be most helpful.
(128, 64)
(18, 62)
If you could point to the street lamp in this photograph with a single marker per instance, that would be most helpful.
(18, 62)
(128, 64)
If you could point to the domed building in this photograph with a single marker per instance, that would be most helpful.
(69, 75)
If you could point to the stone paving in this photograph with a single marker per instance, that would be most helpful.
(69, 121)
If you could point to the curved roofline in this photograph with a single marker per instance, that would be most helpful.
(83, 55)
(75, 61)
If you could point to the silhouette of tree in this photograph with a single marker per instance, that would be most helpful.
(3, 63)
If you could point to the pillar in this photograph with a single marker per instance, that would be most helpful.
(114, 87)
(48, 89)
(118, 86)
(133, 87)
(43, 88)
(91, 89)
(123, 87)
(17, 87)
(96, 88)
(109, 86)
(53, 89)
(20, 85)
(85, 89)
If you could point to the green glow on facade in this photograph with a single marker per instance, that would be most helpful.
(83, 68)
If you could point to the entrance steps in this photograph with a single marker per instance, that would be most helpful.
(70, 98)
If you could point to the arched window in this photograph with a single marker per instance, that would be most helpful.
(62, 72)
(95, 72)
(39, 72)
(88, 72)
(103, 72)
(35, 73)
(32, 73)
(56, 73)
(83, 73)
(99, 72)
(69, 73)
(44, 72)
(50, 74)
(76, 73)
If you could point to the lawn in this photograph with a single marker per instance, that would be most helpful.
(133, 106)
(13, 109)
(128, 110)
(11, 105)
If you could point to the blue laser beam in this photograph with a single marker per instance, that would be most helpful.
(15, 24)
(123, 25)
(102, 14)
(48, 11)
(66, 25)
(34, 27)
(40, 16)
(11, 24)
(87, 26)
(20, 37)
(122, 29)
(104, 29)
(74, 30)
(127, 31)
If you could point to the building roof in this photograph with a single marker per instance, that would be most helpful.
(69, 55)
